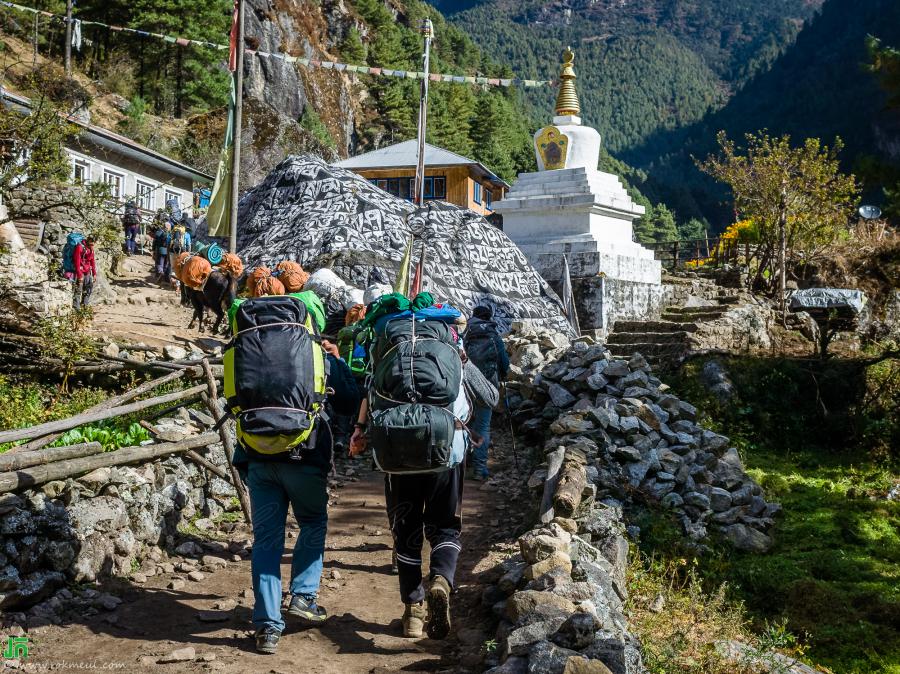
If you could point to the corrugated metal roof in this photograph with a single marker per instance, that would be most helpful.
(121, 144)
(403, 155)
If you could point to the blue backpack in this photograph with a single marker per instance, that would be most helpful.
(68, 254)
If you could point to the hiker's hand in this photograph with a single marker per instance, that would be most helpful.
(359, 442)
(329, 347)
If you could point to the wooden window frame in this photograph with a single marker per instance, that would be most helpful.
(121, 176)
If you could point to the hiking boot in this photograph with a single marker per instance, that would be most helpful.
(306, 608)
(414, 620)
(438, 608)
(267, 640)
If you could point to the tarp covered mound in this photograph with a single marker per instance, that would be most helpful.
(841, 299)
(324, 216)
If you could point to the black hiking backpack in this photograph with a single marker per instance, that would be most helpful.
(275, 375)
(132, 214)
(481, 348)
(416, 376)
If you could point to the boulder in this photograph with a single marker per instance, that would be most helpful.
(747, 539)
(322, 215)
(524, 602)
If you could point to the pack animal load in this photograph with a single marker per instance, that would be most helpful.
(416, 380)
(194, 271)
(275, 373)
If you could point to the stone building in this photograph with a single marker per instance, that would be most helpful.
(130, 169)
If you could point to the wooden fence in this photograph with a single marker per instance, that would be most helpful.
(707, 252)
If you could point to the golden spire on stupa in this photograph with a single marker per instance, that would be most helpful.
(567, 99)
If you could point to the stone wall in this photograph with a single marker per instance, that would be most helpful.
(29, 290)
(601, 301)
(105, 523)
(560, 601)
(55, 207)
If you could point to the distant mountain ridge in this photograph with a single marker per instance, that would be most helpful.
(659, 78)
(642, 66)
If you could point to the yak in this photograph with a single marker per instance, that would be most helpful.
(217, 295)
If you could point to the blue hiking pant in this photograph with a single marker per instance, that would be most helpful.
(274, 485)
(481, 424)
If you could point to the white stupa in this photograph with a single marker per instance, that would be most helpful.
(570, 208)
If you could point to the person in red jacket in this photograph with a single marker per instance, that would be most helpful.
(85, 273)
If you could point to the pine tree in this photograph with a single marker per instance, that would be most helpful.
(352, 48)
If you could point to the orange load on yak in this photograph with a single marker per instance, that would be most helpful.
(261, 282)
(179, 263)
(292, 276)
(231, 264)
(195, 271)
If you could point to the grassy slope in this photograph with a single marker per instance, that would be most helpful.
(834, 573)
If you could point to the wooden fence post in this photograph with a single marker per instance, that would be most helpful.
(211, 400)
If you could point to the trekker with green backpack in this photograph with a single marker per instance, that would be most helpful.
(282, 388)
(415, 418)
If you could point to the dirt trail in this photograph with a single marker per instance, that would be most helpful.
(144, 312)
(359, 591)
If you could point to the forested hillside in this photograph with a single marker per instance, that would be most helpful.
(642, 66)
(163, 79)
(660, 78)
(821, 87)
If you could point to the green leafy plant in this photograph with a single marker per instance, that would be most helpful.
(107, 434)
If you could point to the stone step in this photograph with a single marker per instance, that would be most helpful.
(728, 299)
(648, 349)
(694, 313)
(654, 326)
(655, 337)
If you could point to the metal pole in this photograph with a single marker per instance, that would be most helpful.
(69, 38)
(236, 147)
(427, 30)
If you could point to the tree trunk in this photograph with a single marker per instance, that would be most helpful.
(39, 457)
(554, 463)
(782, 256)
(61, 470)
(179, 81)
(572, 482)
(101, 415)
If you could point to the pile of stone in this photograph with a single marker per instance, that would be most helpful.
(648, 444)
(104, 523)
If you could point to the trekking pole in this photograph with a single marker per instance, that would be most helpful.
(512, 433)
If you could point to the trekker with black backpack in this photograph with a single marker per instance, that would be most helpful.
(131, 223)
(278, 385)
(415, 418)
(485, 349)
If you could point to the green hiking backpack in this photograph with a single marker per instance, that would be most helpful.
(416, 377)
(275, 372)
(352, 344)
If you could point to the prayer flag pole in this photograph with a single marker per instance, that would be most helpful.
(427, 30)
(238, 105)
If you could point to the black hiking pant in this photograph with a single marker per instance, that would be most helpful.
(419, 507)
